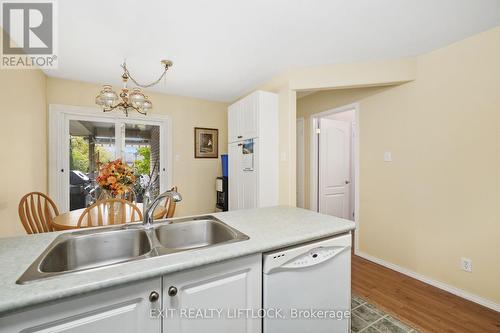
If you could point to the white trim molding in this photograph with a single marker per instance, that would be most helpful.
(300, 158)
(59, 115)
(438, 284)
(313, 172)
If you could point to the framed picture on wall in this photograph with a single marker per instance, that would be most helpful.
(206, 142)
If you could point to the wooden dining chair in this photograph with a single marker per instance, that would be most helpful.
(109, 212)
(36, 211)
(170, 205)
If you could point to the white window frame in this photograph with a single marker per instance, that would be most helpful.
(59, 117)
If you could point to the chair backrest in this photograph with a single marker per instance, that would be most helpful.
(36, 211)
(170, 205)
(108, 212)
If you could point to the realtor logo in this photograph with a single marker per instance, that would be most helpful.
(28, 34)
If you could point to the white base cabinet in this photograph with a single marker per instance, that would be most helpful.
(124, 309)
(214, 299)
(224, 287)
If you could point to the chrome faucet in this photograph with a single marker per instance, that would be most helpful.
(149, 212)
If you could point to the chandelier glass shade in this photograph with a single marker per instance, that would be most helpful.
(128, 100)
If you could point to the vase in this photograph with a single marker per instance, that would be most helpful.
(105, 194)
(113, 210)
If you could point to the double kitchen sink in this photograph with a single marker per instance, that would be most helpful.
(101, 247)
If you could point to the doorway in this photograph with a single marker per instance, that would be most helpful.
(334, 162)
(82, 139)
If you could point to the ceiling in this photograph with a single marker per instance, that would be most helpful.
(221, 49)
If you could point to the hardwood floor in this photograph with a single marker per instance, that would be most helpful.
(421, 305)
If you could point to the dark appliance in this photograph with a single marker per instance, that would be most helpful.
(222, 194)
(80, 190)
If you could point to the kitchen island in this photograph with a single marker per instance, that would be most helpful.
(267, 228)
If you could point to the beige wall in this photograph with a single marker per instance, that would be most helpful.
(323, 77)
(25, 96)
(23, 138)
(437, 201)
(195, 178)
(319, 102)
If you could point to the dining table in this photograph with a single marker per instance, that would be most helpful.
(69, 220)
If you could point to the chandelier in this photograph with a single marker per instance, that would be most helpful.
(126, 101)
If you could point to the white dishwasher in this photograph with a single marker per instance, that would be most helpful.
(307, 288)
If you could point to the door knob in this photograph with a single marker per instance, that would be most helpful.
(154, 296)
(172, 291)
(347, 182)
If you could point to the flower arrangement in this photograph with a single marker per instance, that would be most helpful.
(116, 177)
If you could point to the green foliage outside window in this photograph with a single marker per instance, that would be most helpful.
(79, 154)
(142, 165)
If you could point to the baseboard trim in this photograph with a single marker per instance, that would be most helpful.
(446, 287)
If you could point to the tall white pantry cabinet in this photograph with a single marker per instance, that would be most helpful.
(253, 177)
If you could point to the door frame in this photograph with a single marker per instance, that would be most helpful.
(301, 160)
(314, 157)
(58, 154)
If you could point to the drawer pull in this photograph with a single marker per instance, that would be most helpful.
(172, 291)
(154, 296)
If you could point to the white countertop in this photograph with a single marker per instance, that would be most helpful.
(268, 228)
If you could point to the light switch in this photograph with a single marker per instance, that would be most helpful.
(177, 158)
(387, 156)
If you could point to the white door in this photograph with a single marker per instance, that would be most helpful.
(334, 167)
(80, 142)
(300, 163)
(124, 309)
(225, 287)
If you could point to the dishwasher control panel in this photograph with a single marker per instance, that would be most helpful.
(315, 256)
(306, 255)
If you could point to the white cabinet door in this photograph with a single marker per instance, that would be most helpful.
(234, 176)
(207, 299)
(249, 120)
(248, 186)
(243, 179)
(123, 309)
(243, 119)
(233, 119)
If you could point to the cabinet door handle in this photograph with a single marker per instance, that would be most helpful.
(240, 136)
(154, 296)
(172, 291)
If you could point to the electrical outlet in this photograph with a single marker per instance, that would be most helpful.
(466, 264)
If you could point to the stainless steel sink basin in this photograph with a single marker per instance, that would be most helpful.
(83, 250)
(195, 234)
(101, 247)
(94, 250)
